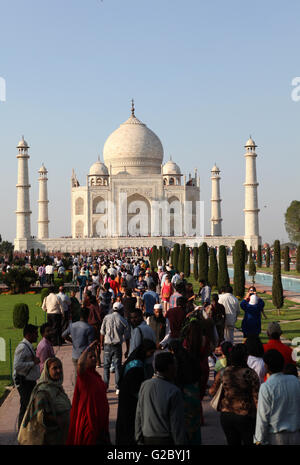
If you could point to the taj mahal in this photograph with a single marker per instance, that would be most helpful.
(133, 198)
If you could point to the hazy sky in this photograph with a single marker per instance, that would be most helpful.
(204, 75)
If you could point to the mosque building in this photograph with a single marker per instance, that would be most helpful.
(131, 194)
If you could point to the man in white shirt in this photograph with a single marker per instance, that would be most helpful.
(50, 274)
(55, 313)
(26, 369)
(232, 310)
(66, 304)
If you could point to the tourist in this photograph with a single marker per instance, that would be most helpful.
(89, 422)
(218, 316)
(74, 273)
(66, 304)
(42, 274)
(179, 292)
(255, 350)
(198, 342)
(129, 280)
(190, 297)
(160, 410)
(251, 324)
(81, 334)
(274, 332)
(50, 274)
(149, 279)
(232, 310)
(150, 298)
(131, 378)
(159, 324)
(204, 292)
(82, 281)
(44, 349)
(239, 402)
(278, 419)
(48, 414)
(113, 329)
(166, 292)
(175, 320)
(95, 321)
(26, 368)
(140, 288)
(175, 278)
(224, 352)
(139, 330)
(106, 297)
(188, 376)
(52, 305)
(129, 303)
(75, 307)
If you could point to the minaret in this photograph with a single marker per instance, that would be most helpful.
(216, 220)
(251, 204)
(23, 211)
(43, 221)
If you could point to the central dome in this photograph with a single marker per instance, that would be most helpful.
(135, 147)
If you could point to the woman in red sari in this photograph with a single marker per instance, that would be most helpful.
(89, 422)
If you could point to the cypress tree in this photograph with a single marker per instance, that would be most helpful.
(213, 268)
(160, 252)
(239, 269)
(181, 258)
(32, 256)
(195, 268)
(164, 255)
(187, 263)
(286, 258)
(298, 259)
(154, 256)
(268, 257)
(277, 290)
(175, 256)
(252, 268)
(259, 257)
(223, 276)
(203, 262)
(247, 254)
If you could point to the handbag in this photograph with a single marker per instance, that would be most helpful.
(216, 400)
(33, 434)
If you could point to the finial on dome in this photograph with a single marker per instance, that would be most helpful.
(132, 107)
(170, 157)
(98, 157)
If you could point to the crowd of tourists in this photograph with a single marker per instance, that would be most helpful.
(159, 337)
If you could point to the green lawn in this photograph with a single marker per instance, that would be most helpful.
(11, 335)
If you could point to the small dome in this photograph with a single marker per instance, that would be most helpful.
(122, 173)
(22, 144)
(250, 143)
(171, 168)
(98, 169)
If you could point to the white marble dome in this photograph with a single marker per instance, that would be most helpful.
(98, 169)
(135, 146)
(171, 168)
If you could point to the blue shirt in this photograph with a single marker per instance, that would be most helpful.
(150, 298)
(278, 406)
(82, 335)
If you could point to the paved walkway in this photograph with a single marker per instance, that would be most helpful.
(212, 432)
